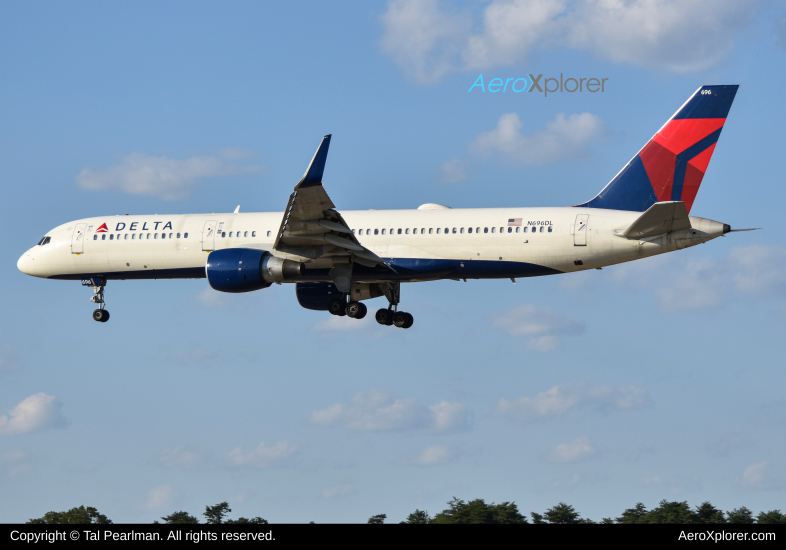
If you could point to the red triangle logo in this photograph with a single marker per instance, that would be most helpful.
(102, 228)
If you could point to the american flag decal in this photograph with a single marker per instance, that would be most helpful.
(514, 222)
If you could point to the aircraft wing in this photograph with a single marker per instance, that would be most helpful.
(312, 228)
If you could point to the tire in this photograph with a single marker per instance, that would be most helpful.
(382, 316)
(337, 307)
(106, 317)
(98, 315)
(400, 319)
(356, 310)
(410, 320)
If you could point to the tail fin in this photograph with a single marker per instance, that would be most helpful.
(671, 165)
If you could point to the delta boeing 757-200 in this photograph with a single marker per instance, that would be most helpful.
(339, 259)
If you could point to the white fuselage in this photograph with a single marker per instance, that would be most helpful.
(561, 239)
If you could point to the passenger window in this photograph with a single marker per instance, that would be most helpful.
(501, 229)
(103, 237)
(163, 235)
(550, 228)
(391, 231)
(493, 229)
(148, 236)
(268, 233)
(155, 235)
(422, 230)
(469, 230)
(133, 236)
(253, 233)
(477, 230)
(230, 234)
(223, 234)
(112, 237)
(485, 229)
(447, 230)
(170, 235)
(399, 231)
(541, 229)
(383, 231)
(518, 230)
(360, 232)
(407, 231)
(438, 230)
(245, 233)
(376, 232)
(185, 235)
(462, 230)
(525, 230)
(429, 231)
(95, 237)
(178, 235)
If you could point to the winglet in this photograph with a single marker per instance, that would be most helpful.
(316, 168)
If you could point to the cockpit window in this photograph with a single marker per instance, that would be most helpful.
(44, 241)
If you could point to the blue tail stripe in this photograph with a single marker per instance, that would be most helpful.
(682, 162)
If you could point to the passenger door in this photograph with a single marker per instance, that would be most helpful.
(78, 239)
(209, 235)
(580, 230)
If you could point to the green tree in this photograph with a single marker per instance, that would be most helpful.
(671, 512)
(418, 517)
(634, 515)
(74, 516)
(180, 518)
(215, 514)
(771, 517)
(537, 519)
(707, 513)
(740, 516)
(562, 514)
(477, 512)
(379, 519)
(241, 521)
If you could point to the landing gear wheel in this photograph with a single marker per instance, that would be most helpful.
(337, 306)
(384, 317)
(400, 319)
(101, 315)
(356, 310)
(409, 321)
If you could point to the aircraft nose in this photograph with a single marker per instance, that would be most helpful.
(22, 264)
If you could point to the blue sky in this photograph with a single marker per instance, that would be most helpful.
(660, 379)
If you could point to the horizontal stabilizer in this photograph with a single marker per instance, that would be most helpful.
(660, 218)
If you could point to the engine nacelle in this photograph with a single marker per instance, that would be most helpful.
(246, 269)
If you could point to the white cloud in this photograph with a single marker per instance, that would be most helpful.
(435, 454)
(422, 39)
(37, 412)
(428, 42)
(685, 282)
(452, 171)
(9, 361)
(337, 491)
(263, 456)
(160, 497)
(540, 325)
(755, 475)
(377, 411)
(560, 399)
(564, 138)
(180, 456)
(571, 452)
(169, 179)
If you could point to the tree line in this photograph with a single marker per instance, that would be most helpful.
(474, 511)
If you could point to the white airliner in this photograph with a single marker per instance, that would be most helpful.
(337, 260)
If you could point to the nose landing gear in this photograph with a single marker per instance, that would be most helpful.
(101, 314)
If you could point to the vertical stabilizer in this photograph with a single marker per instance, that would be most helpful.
(672, 164)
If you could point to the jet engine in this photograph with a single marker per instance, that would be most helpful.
(246, 269)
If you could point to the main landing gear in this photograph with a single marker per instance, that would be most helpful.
(386, 316)
(101, 314)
